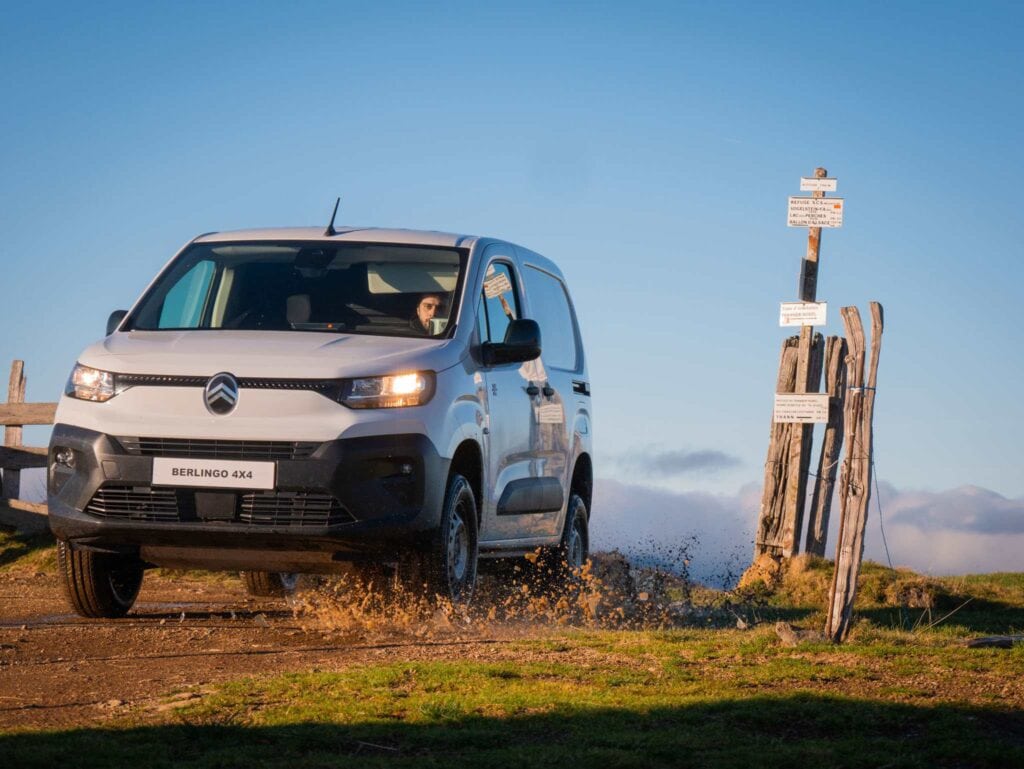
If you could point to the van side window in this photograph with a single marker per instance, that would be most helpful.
(550, 307)
(184, 304)
(500, 304)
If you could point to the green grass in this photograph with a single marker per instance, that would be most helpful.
(898, 694)
(20, 553)
(662, 703)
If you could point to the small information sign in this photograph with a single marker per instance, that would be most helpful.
(497, 285)
(550, 414)
(813, 184)
(802, 313)
(815, 212)
(801, 407)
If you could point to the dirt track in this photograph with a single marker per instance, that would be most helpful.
(59, 670)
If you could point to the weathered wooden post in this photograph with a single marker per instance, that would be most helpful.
(832, 443)
(770, 537)
(855, 477)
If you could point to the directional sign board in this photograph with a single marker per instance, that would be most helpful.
(802, 313)
(801, 407)
(812, 184)
(815, 212)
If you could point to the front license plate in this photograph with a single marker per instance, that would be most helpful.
(213, 473)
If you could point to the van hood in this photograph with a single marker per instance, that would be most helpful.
(280, 354)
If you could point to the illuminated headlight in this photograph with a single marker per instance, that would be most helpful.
(386, 392)
(90, 384)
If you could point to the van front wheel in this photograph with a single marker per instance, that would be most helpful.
(98, 585)
(447, 566)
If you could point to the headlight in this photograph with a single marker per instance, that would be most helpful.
(90, 384)
(386, 392)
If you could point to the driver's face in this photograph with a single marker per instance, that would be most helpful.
(427, 309)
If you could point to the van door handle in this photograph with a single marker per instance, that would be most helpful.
(548, 390)
(532, 390)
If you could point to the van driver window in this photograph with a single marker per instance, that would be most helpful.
(500, 304)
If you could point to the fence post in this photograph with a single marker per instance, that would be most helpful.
(26, 517)
(12, 433)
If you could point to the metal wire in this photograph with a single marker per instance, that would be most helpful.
(878, 504)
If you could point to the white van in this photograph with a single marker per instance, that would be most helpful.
(305, 401)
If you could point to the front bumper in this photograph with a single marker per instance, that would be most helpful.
(353, 497)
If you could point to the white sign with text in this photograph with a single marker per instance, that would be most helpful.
(814, 212)
(801, 407)
(813, 184)
(802, 313)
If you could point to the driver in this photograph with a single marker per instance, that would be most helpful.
(430, 305)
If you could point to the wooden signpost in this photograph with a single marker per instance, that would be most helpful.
(789, 451)
(846, 408)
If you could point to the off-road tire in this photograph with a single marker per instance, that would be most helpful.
(98, 585)
(560, 565)
(269, 584)
(447, 566)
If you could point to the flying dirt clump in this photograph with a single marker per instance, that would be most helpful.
(607, 592)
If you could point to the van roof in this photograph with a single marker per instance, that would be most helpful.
(352, 234)
(373, 235)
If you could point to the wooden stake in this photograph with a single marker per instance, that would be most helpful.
(769, 537)
(855, 477)
(832, 443)
(801, 437)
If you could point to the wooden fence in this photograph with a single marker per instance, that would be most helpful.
(28, 517)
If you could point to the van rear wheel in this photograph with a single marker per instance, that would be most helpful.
(562, 564)
(270, 584)
(98, 585)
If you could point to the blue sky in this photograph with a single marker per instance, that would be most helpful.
(648, 148)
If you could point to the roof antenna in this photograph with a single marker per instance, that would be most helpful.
(330, 227)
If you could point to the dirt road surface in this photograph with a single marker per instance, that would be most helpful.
(58, 670)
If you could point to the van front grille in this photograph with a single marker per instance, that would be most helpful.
(218, 449)
(134, 503)
(292, 508)
(259, 508)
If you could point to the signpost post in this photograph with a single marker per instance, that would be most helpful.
(797, 410)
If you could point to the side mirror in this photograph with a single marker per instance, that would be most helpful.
(522, 343)
(115, 320)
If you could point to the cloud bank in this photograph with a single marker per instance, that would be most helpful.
(669, 464)
(959, 531)
(714, 533)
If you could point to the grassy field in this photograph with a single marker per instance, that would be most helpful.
(903, 692)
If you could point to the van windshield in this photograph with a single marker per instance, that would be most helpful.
(351, 288)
